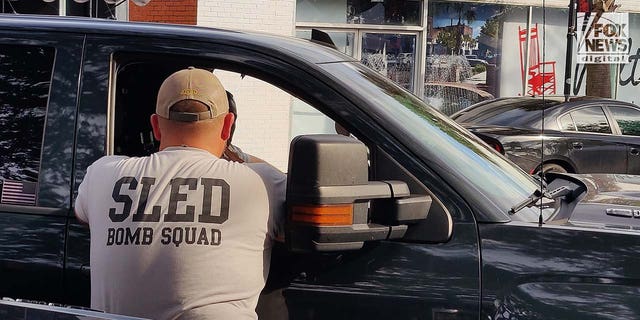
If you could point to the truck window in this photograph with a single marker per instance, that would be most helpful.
(268, 117)
(24, 91)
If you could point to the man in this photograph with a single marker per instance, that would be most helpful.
(232, 152)
(181, 233)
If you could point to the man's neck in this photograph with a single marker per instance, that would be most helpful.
(214, 150)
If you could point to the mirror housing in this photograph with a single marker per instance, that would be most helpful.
(332, 205)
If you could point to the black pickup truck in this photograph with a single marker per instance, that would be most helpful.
(441, 226)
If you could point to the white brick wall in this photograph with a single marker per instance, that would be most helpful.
(264, 112)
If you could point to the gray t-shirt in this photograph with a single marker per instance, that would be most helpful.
(180, 234)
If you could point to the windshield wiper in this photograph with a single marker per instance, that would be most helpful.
(537, 195)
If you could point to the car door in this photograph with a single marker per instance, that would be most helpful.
(591, 143)
(38, 90)
(627, 119)
(425, 276)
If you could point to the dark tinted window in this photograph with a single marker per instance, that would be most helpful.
(24, 90)
(591, 119)
(398, 12)
(628, 120)
(518, 112)
(566, 123)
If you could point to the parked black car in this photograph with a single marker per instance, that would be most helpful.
(583, 135)
(443, 226)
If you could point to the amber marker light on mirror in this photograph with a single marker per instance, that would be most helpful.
(323, 215)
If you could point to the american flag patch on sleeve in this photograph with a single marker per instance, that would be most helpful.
(19, 193)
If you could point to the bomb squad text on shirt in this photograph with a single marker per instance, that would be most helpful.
(198, 232)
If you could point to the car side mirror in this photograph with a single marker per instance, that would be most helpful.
(332, 205)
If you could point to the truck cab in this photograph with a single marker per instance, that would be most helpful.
(441, 225)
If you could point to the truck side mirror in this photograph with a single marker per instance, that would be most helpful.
(332, 205)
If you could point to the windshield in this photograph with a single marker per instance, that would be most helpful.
(512, 112)
(467, 164)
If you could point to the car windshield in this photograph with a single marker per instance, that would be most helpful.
(513, 112)
(463, 160)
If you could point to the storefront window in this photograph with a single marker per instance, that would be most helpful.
(464, 52)
(81, 8)
(30, 7)
(472, 50)
(378, 12)
(342, 40)
(391, 12)
(393, 55)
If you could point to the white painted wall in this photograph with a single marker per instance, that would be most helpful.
(264, 112)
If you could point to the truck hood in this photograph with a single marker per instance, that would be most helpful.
(611, 200)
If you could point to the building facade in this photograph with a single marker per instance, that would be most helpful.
(449, 53)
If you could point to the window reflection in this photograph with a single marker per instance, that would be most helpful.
(378, 12)
(24, 90)
(342, 40)
(393, 55)
(628, 120)
(464, 52)
(591, 119)
(390, 12)
(566, 123)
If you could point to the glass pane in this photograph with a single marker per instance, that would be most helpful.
(306, 119)
(566, 123)
(464, 52)
(628, 120)
(24, 90)
(389, 12)
(393, 55)
(326, 11)
(510, 112)
(591, 119)
(30, 7)
(380, 12)
(99, 9)
(342, 40)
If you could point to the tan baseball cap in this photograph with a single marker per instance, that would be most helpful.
(192, 84)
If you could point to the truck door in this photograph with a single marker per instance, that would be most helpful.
(421, 277)
(38, 90)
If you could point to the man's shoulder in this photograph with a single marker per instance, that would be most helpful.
(108, 160)
(267, 172)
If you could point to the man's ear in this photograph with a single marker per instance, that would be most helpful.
(229, 118)
(155, 126)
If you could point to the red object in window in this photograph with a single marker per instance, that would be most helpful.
(585, 5)
(540, 75)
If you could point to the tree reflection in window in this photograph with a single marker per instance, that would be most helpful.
(591, 119)
(24, 90)
(628, 120)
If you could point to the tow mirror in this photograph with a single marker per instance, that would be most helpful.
(332, 205)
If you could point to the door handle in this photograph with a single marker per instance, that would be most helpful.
(577, 145)
(634, 151)
(85, 269)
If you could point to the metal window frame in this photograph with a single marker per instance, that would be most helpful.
(419, 31)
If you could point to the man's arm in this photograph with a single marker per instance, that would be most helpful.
(233, 153)
(276, 183)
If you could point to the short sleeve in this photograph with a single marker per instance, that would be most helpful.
(92, 177)
(80, 206)
(276, 184)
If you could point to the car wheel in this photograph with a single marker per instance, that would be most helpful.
(553, 167)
